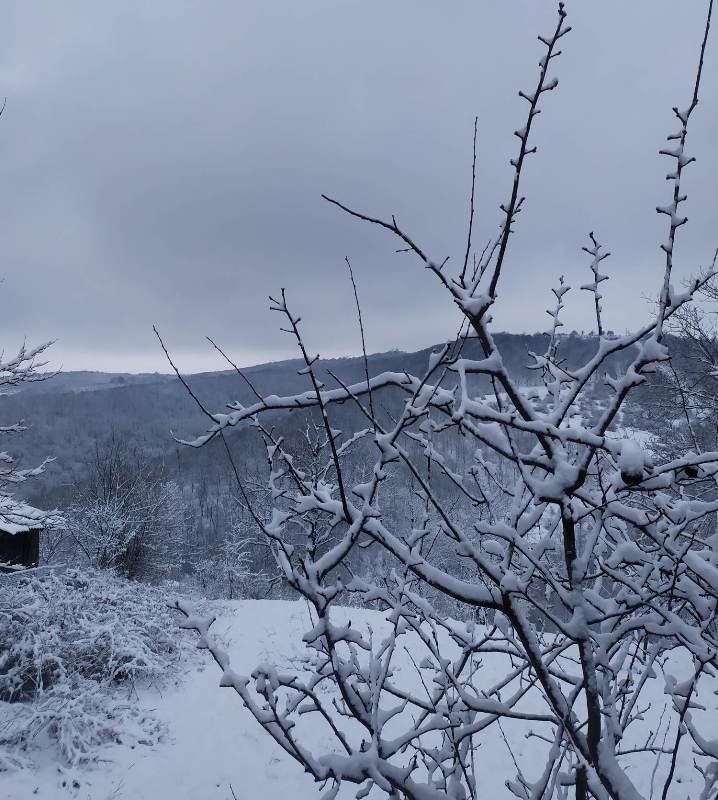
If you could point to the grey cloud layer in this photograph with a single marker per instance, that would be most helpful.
(162, 162)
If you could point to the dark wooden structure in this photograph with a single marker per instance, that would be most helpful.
(20, 527)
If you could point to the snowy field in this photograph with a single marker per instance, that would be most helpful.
(213, 750)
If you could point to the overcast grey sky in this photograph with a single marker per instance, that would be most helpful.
(161, 162)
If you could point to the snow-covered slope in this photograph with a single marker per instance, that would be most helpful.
(214, 750)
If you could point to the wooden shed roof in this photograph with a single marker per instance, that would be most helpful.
(18, 517)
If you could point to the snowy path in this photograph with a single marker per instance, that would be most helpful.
(212, 743)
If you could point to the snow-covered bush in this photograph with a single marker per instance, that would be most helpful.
(79, 717)
(591, 564)
(68, 643)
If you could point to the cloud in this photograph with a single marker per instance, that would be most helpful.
(162, 163)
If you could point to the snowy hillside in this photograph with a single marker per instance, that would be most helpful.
(212, 747)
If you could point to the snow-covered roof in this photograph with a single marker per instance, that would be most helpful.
(18, 517)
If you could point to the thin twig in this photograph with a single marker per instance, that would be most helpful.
(363, 343)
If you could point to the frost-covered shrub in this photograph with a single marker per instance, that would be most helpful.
(67, 643)
(79, 716)
(81, 623)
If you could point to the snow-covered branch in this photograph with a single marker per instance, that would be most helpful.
(558, 541)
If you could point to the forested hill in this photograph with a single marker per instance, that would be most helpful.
(67, 414)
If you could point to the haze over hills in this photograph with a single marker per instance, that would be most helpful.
(70, 412)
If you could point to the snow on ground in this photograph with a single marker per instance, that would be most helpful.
(212, 747)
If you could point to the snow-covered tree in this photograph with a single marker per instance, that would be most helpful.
(683, 394)
(590, 563)
(227, 569)
(24, 367)
(125, 515)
